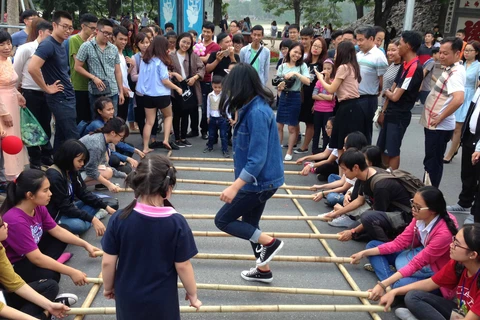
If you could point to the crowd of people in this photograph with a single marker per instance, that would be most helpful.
(111, 79)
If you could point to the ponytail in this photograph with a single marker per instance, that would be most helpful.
(116, 125)
(435, 201)
(28, 181)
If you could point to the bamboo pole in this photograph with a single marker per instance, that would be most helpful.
(287, 235)
(329, 250)
(217, 194)
(306, 291)
(223, 170)
(300, 218)
(218, 256)
(169, 153)
(217, 160)
(249, 308)
(227, 183)
(90, 297)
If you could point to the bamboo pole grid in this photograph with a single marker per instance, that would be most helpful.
(85, 309)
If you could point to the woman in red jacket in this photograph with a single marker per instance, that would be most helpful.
(420, 251)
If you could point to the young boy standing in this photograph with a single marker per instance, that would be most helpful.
(214, 118)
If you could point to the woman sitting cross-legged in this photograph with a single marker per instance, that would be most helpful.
(460, 274)
(420, 251)
(66, 184)
(36, 242)
(29, 301)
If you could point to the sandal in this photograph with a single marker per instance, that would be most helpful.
(368, 267)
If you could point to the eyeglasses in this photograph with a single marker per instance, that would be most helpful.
(91, 28)
(316, 47)
(106, 33)
(65, 27)
(468, 50)
(455, 245)
(416, 207)
(121, 136)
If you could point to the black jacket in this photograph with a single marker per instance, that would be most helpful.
(62, 204)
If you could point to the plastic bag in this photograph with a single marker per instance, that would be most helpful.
(32, 132)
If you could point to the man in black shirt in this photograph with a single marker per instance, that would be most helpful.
(387, 219)
(219, 61)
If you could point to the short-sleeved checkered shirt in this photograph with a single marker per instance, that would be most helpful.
(109, 58)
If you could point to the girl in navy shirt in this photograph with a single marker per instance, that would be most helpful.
(143, 271)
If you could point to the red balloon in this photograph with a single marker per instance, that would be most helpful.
(12, 144)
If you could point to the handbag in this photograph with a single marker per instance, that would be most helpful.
(188, 98)
(31, 131)
(93, 87)
(288, 83)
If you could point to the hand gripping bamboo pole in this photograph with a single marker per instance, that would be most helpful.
(250, 308)
(90, 297)
(329, 250)
(285, 235)
(306, 291)
(299, 218)
(246, 257)
(228, 183)
(222, 170)
(217, 160)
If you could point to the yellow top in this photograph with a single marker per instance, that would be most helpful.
(8, 278)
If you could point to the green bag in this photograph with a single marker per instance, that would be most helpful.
(32, 132)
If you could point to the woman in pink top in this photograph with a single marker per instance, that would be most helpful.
(420, 251)
(349, 117)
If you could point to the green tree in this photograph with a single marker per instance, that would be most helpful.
(382, 14)
(324, 12)
(278, 7)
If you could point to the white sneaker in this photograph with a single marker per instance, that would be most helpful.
(288, 157)
(457, 208)
(469, 219)
(323, 215)
(404, 314)
(102, 213)
(342, 221)
(68, 299)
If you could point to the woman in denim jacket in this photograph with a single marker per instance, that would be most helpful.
(255, 139)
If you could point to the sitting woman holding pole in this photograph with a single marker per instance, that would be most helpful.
(460, 274)
(420, 251)
(36, 243)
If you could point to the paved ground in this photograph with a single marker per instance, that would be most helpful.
(286, 274)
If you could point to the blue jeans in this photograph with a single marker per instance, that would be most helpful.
(94, 98)
(76, 225)
(334, 198)
(214, 125)
(65, 112)
(333, 177)
(381, 264)
(249, 206)
(435, 146)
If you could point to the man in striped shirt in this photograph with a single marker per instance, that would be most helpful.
(373, 65)
(438, 117)
(401, 99)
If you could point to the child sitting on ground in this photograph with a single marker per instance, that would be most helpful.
(215, 119)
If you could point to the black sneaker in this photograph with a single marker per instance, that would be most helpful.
(192, 134)
(186, 143)
(179, 144)
(255, 275)
(226, 154)
(269, 252)
(100, 187)
(204, 136)
(156, 145)
(285, 146)
(207, 150)
(174, 146)
(300, 151)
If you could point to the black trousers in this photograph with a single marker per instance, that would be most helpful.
(470, 174)
(37, 105)
(82, 102)
(320, 120)
(377, 226)
(180, 118)
(30, 272)
(369, 109)
(45, 287)
(327, 169)
(123, 109)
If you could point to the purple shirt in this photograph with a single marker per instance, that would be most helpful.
(25, 232)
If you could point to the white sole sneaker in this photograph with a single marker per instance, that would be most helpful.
(288, 157)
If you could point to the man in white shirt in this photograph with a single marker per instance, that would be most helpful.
(144, 21)
(34, 96)
(120, 39)
(444, 99)
(373, 65)
(248, 54)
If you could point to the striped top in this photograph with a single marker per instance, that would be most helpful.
(373, 65)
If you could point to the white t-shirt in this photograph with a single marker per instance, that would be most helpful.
(124, 68)
(181, 59)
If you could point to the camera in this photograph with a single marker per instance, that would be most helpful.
(288, 83)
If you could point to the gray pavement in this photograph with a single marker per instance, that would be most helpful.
(286, 274)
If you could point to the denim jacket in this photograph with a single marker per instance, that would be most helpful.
(256, 147)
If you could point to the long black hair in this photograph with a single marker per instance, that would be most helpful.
(185, 35)
(242, 85)
(356, 140)
(117, 125)
(435, 201)
(28, 181)
(154, 175)
(471, 233)
(374, 155)
(67, 152)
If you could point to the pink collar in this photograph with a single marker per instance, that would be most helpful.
(155, 212)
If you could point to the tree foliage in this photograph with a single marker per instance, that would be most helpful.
(278, 7)
(328, 12)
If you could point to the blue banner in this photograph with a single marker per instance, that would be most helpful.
(193, 15)
(168, 13)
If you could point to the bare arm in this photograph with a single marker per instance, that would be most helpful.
(11, 313)
(81, 70)
(43, 261)
(109, 266)
(323, 97)
(68, 237)
(34, 68)
(118, 77)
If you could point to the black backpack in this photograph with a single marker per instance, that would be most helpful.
(406, 179)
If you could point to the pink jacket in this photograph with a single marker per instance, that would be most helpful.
(436, 252)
